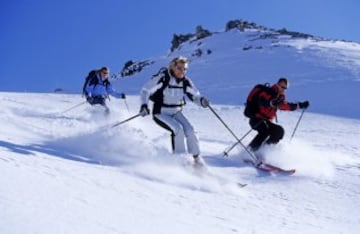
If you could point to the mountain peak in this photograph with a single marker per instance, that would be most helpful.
(245, 54)
(236, 24)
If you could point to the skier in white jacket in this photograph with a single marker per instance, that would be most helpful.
(167, 89)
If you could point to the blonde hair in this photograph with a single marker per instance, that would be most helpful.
(177, 60)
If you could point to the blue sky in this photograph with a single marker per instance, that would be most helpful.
(52, 42)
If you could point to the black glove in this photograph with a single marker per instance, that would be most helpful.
(144, 110)
(304, 105)
(204, 102)
(89, 99)
(122, 95)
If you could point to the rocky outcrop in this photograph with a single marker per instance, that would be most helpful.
(241, 25)
(200, 33)
(179, 39)
(131, 67)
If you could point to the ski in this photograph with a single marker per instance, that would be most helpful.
(271, 169)
(279, 170)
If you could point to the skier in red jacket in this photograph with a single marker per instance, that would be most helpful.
(264, 101)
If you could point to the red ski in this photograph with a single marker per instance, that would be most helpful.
(268, 168)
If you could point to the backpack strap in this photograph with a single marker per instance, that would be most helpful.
(185, 83)
(165, 80)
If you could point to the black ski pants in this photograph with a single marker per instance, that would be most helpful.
(267, 131)
(96, 100)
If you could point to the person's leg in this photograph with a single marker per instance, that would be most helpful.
(276, 133)
(97, 100)
(262, 127)
(192, 140)
(100, 100)
(177, 134)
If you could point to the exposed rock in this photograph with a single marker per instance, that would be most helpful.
(284, 31)
(241, 25)
(58, 90)
(177, 40)
(202, 33)
(131, 67)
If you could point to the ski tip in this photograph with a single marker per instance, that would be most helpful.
(292, 171)
(286, 172)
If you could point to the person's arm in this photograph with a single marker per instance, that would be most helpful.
(194, 94)
(111, 91)
(150, 87)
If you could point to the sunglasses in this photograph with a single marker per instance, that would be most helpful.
(179, 68)
(105, 73)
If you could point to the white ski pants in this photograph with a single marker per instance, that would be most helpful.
(180, 128)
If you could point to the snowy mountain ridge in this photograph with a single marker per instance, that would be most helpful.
(230, 63)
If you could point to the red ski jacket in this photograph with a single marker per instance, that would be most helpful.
(270, 102)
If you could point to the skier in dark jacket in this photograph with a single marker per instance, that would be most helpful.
(99, 88)
(168, 89)
(268, 102)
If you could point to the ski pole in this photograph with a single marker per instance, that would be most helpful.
(297, 124)
(127, 107)
(73, 107)
(237, 139)
(226, 152)
(124, 121)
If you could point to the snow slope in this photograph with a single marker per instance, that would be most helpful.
(326, 72)
(72, 173)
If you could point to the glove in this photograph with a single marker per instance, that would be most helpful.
(304, 105)
(122, 95)
(89, 99)
(144, 110)
(204, 102)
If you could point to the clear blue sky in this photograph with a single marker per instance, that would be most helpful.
(51, 42)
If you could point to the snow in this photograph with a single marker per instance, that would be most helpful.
(325, 72)
(71, 172)
(67, 173)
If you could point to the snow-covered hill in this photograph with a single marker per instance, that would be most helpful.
(326, 72)
(71, 173)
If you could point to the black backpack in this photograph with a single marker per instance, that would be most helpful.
(90, 76)
(91, 79)
(157, 97)
(252, 101)
(165, 81)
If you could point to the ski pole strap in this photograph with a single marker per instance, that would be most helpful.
(124, 121)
